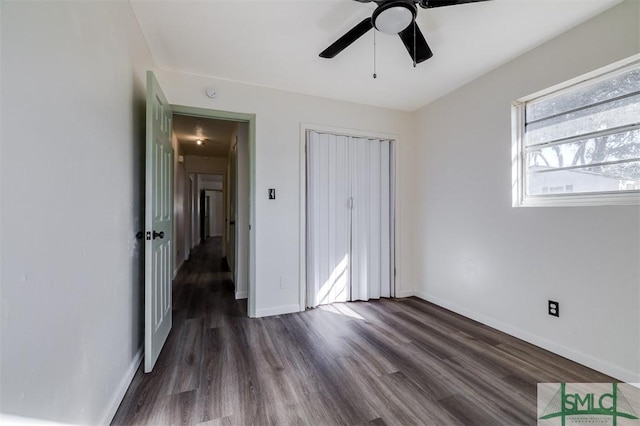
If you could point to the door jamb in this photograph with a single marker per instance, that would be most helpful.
(251, 120)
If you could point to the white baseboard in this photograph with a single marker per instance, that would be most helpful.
(241, 295)
(107, 417)
(570, 353)
(9, 420)
(278, 310)
(405, 293)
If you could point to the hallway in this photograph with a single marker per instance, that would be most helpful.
(205, 318)
(392, 361)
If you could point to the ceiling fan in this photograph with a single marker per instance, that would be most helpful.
(394, 17)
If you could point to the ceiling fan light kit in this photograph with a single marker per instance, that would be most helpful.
(394, 17)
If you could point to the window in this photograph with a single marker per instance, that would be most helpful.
(578, 143)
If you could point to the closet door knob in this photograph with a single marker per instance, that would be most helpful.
(158, 234)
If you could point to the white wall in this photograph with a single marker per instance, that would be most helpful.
(207, 165)
(73, 89)
(179, 205)
(229, 198)
(192, 221)
(476, 255)
(279, 115)
(209, 184)
(216, 213)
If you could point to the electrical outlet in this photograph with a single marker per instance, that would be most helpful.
(554, 308)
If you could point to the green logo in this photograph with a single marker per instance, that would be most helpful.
(588, 403)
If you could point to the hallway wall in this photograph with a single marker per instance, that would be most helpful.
(72, 196)
(242, 212)
(179, 205)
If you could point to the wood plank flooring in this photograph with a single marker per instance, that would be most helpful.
(386, 362)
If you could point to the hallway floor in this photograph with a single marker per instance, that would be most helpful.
(392, 361)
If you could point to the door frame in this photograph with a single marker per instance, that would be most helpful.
(395, 247)
(251, 120)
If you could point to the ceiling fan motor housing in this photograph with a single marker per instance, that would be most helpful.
(393, 16)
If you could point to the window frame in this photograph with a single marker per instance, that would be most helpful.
(518, 159)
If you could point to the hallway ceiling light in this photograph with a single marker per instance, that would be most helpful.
(199, 142)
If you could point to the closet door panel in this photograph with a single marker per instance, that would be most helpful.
(385, 219)
(328, 219)
(338, 217)
(358, 150)
(371, 228)
(375, 182)
(313, 226)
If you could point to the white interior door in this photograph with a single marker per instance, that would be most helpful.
(158, 222)
(349, 230)
(217, 213)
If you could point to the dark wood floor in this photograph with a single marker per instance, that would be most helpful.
(394, 362)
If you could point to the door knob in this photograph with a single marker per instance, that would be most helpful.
(158, 234)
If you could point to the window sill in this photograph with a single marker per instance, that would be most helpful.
(620, 199)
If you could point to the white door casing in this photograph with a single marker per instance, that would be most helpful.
(158, 222)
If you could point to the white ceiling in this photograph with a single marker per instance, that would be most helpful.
(276, 44)
(216, 135)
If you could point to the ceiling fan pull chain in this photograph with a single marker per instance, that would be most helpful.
(374, 55)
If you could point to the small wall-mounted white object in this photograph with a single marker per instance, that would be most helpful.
(211, 92)
(180, 158)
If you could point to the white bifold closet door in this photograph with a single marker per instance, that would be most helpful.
(349, 232)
